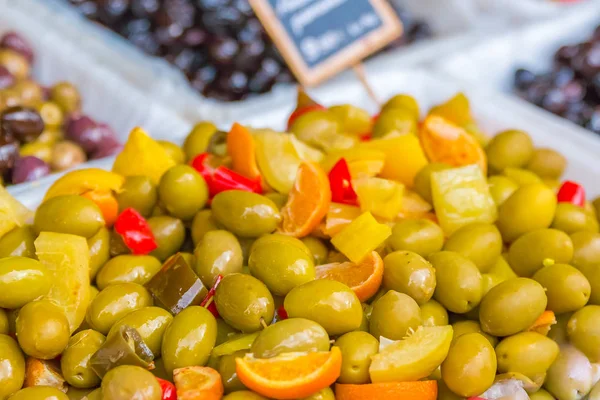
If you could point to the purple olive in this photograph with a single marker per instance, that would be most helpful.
(6, 78)
(23, 123)
(29, 168)
(17, 43)
(107, 148)
(80, 129)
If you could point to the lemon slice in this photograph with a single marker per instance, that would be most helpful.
(412, 358)
(82, 180)
(12, 213)
(67, 257)
(277, 159)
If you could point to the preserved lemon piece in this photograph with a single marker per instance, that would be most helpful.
(382, 197)
(361, 237)
(12, 213)
(84, 180)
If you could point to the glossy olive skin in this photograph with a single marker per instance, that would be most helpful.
(511, 148)
(114, 302)
(150, 322)
(512, 306)
(403, 101)
(72, 214)
(458, 286)
(218, 253)
(479, 242)
(39, 393)
(357, 349)
(460, 328)
(290, 335)
(244, 395)
(547, 163)
(245, 214)
(243, 301)
(409, 273)
(586, 249)
(4, 324)
(420, 236)
(203, 222)
(570, 218)
(227, 370)
(317, 248)
(571, 375)
(541, 395)
(189, 339)
(470, 367)
(99, 246)
(527, 253)
(224, 332)
(182, 191)
(127, 268)
(395, 120)
(422, 184)
(169, 233)
(433, 314)
(75, 360)
(197, 140)
(312, 126)
(584, 331)
(42, 329)
(13, 362)
(281, 262)
(130, 382)
(566, 287)
(592, 273)
(138, 192)
(66, 95)
(528, 353)
(331, 304)
(529, 208)
(501, 187)
(394, 315)
(22, 280)
(18, 242)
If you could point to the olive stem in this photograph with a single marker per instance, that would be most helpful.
(263, 323)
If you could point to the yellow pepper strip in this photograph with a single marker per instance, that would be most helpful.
(12, 213)
(361, 237)
(338, 216)
(461, 196)
(361, 162)
(404, 157)
(85, 180)
(143, 155)
(382, 197)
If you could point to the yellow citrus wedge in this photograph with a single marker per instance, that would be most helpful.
(85, 180)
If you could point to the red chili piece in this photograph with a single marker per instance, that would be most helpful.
(211, 293)
(571, 192)
(168, 389)
(221, 178)
(340, 183)
(282, 313)
(201, 163)
(135, 231)
(301, 111)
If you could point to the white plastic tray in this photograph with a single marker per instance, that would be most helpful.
(106, 96)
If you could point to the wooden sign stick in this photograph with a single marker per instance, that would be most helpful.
(359, 70)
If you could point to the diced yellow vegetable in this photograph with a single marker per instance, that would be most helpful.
(361, 237)
(362, 162)
(12, 213)
(382, 197)
(143, 155)
(461, 196)
(83, 180)
(404, 157)
(339, 216)
(67, 257)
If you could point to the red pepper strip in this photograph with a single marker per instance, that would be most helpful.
(282, 313)
(201, 163)
(571, 192)
(135, 231)
(341, 184)
(225, 179)
(301, 111)
(168, 390)
(211, 293)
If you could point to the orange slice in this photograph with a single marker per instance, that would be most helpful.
(241, 149)
(290, 375)
(194, 383)
(418, 390)
(544, 322)
(308, 201)
(363, 278)
(107, 204)
(444, 141)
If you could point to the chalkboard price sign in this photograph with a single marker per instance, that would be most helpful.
(320, 38)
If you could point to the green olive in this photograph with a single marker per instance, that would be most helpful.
(189, 339)
(128, 269)
(245, 214)
(479, 242)
(409, 273)
(227, 370)
(244, 302)
(529, 208)
(279, 199)
(79, 394)
(281, 262)
(150, 322)
(99, 246)
(244, 395)
(218, 253)
(114, 302)
(357, 349)
(422, 184)
(511, 148)
(175, 152)
(547, 163)
(314, 127)
(290, 335)
(197, 140)
(541, 395)
(394, 315)
(460, 328)
(528, 353)
(527, 254)
(42, 329)
(566, 287)
(323, 394)
(22, 280)
(470, 367)
(421, 236)
(203, 222)
(130, 382)
(331, 304)
(571, 375)
(558, 331)
(353, 120)
(4, 324)
(39, 393)
(586, 249)
(501, 187)
(169, 234)
(458, 280)
(512, 306)
(75, 360)
(224, 332)
(182, 191)
(138, 192)
(570, 218)
(404, 101)
(521, 176)
(18, 242)
(13, 366)
(584, 331)
(317, 248)
(592, 273)
(72, 214)
(433, 314)
(397, 120)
